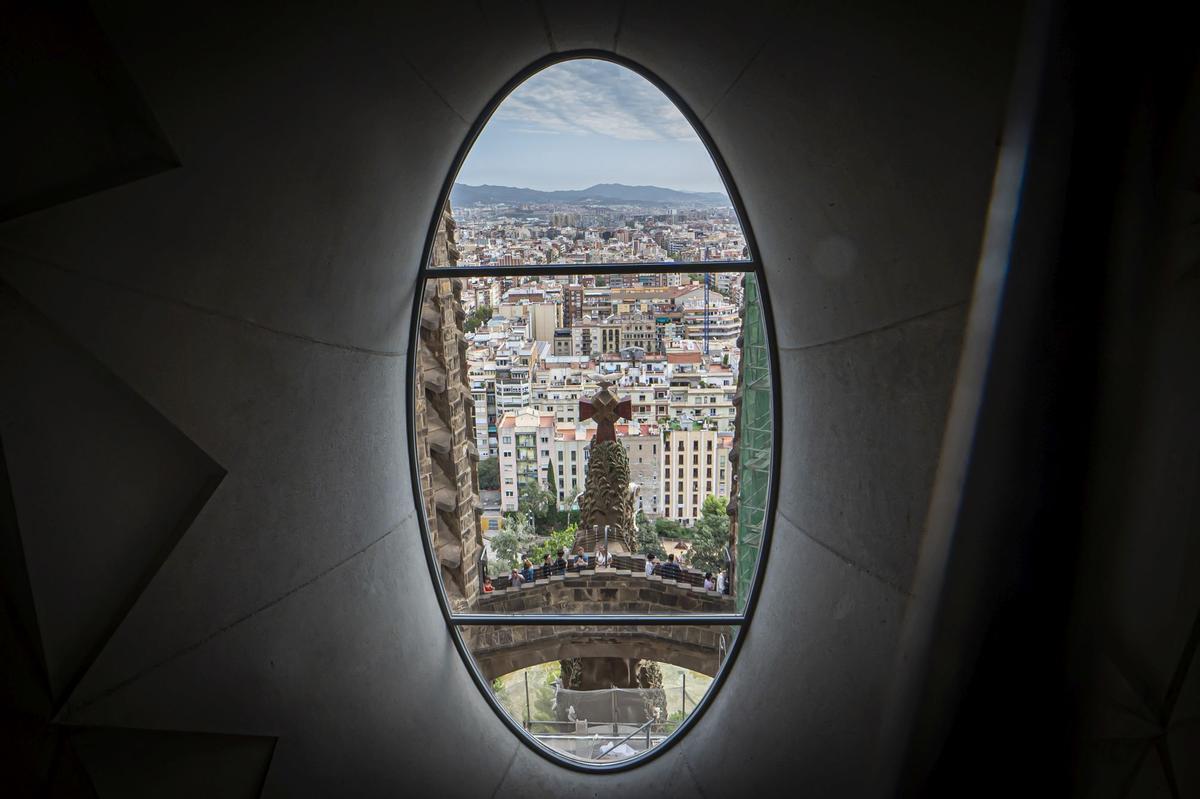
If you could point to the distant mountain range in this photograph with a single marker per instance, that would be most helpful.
(462, 195)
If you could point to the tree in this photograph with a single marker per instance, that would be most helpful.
(669, 528)
(572, 502)
(476, 318)
(489, 474)
(514, 539)
(647, 538)
(559, 539)
(543, 504)
(544, 693)
(710, 535)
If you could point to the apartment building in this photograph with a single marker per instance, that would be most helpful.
(695, 464)
(526, 442)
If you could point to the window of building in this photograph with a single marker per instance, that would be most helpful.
(628, 273)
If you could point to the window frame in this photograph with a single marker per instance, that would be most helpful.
(752, 265)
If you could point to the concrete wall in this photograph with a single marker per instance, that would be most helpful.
(257, 298)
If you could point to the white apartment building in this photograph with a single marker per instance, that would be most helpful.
(571, 442)
(540, 319)
(562, 399)
(712, 407)
(526, 444)
(643, 443)
(724, 321)
(482, 375)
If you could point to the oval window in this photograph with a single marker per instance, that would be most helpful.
(592, 412)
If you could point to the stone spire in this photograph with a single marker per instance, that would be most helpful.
(608, 498)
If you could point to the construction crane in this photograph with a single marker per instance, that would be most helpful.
(707, 280)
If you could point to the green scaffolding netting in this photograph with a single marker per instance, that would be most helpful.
(755, 437)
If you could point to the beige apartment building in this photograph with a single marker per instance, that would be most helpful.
(695, 464)
(642, 443)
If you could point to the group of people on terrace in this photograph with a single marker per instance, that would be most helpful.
(528, 572)
(670, 570)
(581, 560)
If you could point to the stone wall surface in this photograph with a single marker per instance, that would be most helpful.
(444, 429)
(500, 650)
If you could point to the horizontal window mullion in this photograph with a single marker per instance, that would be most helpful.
(590, 269)
(593, 619)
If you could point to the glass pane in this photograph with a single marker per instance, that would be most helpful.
(570, 427)
(587, 162)
(599, 694)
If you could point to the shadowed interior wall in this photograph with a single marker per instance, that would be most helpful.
(257, 298)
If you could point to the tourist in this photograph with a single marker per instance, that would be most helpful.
(547, 566)
(709, 583)
(721, 580)
(560, 565)
(601, 557)
(649, 564)
(487, 585)
(581, 558)
(670, 569)
(528, 571)
(516, 579)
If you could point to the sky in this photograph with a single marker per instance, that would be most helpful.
(583, 122)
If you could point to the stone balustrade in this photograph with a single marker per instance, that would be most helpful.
(605, 591)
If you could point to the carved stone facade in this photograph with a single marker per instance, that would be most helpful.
(444, 415)
(608, 499)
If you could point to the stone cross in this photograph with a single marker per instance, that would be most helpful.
(605, 408)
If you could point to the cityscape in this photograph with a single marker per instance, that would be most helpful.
(538, 345)
(603, 224)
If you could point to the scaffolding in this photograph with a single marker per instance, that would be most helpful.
(754, 441)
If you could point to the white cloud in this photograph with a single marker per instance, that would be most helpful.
(592, 96)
